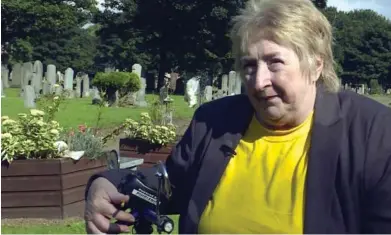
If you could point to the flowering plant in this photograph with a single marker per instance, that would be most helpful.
(146, 130)
(84, 139)
(30, 136)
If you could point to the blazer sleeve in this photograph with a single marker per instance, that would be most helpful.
(377, 175)
(179, 164)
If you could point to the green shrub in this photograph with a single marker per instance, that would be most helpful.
(116, 81)
(376, 88)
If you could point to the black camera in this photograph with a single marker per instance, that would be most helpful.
(145, 202)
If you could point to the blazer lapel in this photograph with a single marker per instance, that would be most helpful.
(322, 163)
(221, 149)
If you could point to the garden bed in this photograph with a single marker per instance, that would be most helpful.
(46, 188)
(137, 149)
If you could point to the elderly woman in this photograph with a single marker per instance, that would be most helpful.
(294, 155)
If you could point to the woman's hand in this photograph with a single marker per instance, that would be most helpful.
(100, 208)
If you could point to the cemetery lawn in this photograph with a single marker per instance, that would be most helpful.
(42, 226)
(78, 111)
(384, 99)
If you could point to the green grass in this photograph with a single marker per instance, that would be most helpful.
(79, 111)
(39, 226)
(384, 99)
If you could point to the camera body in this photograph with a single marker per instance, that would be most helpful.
(144, 203)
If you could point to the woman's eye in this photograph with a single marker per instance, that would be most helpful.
(276, 61)
(249, 69)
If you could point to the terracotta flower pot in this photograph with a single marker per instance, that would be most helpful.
(151, 153)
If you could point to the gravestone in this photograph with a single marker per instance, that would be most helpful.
(2, 89)
(16, 81)
(224, 84)
(68, 82)
(59, 77)
(173, 79)
(51, 77)
(231, 82)
(38, 76)
(208, 93)
(140, 100)
(163, 92)
(136, 68)
(58, 89)
(96, 99)
(140, 94)
(27, 71)
(86, 85)
(45, 87)
(192, 90)
(238, 86)
(109, 69)
(29, 97)
(4, 76)
(78, 85)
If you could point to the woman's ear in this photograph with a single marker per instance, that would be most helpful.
(319, 67)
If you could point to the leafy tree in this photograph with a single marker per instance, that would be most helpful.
(47, 30)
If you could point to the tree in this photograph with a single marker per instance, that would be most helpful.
(321, 4)
(46, 30)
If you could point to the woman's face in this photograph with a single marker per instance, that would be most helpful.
(275, 84)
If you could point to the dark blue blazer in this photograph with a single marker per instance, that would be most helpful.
(348, 184)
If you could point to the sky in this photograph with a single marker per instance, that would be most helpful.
(382, 7)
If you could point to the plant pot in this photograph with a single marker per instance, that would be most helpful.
(46, 188)
(134, 148)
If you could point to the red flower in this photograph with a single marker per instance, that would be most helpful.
(82, 128)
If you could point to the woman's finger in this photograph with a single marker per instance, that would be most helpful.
(111, 211)
(91, 228)
(103, 224)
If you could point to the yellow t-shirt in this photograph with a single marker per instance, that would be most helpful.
(262, 189)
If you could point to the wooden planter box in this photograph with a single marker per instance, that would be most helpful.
(46, 188)
(140, 149)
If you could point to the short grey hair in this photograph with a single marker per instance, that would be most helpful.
(297, 24)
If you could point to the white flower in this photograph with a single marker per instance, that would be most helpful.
(56, 98)
(54, 131)
(40, 123)
(8, 121)
(36, 112)
(6, 135)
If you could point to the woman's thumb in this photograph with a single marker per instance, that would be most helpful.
(118, 198)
